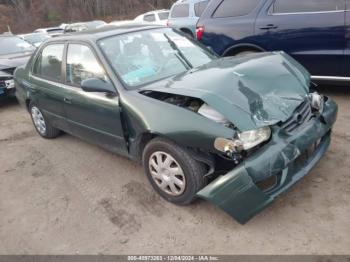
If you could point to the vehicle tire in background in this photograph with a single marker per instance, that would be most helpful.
(41, 124)
(172, 171)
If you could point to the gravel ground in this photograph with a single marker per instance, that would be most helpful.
(66, 196)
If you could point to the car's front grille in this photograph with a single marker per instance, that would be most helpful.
(300, 116)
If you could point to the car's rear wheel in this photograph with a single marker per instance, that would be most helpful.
(41, 124)
(172, 171)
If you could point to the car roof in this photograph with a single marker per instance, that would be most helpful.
(157, 11)
(179, 2)
(106, 31)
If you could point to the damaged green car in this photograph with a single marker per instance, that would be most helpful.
(234, 131)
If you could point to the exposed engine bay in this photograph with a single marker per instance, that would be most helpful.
(190, 103)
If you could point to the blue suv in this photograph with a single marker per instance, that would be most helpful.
(314, 32)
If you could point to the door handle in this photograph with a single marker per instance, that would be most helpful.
(268, 27)
(67, 101)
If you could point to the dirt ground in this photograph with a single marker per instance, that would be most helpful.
(66, 196)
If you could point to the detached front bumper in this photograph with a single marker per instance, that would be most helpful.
(279, 164)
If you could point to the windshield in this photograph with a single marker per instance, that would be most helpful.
(143, 57)
(10, 45)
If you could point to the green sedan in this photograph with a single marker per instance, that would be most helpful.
(234, 131)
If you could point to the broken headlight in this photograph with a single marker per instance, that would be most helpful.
(317, 102)
(244, 141)
(251, 139)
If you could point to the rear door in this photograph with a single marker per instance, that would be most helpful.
(46, 84)
(312, 31)
(95, 117)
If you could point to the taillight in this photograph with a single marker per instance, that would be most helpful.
(199, 32)
(168, 23)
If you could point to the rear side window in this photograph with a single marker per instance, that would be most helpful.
(149, 18)
(82, 64)
(287, 6)
(49, 63)
(233, 8)
(200, 7)
(182, 10)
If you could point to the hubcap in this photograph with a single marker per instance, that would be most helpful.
(167, 173)
(38, 120)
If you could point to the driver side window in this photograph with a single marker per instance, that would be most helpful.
(82, 64)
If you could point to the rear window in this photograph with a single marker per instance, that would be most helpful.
(200, 7)
(182, 10)
(287, 6)
(233, 8)
(163, 16)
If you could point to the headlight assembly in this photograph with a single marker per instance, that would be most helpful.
(251, 139)
(317, 102)
(244, 141)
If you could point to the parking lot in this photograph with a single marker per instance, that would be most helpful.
(66, 196)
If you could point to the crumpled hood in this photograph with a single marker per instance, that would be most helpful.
(252, 91)
(14, 60)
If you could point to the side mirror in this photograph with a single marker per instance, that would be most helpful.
(97, 85)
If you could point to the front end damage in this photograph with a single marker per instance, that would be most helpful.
(275, 167)
(256, 120)
(7, 85)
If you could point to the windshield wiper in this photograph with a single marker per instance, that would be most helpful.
(181, 56)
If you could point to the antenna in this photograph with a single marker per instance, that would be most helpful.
(9, 29)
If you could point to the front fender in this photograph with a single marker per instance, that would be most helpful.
(143, 114)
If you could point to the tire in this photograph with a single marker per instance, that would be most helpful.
(192, 176)
(41, 124)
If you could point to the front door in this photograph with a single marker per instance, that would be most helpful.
(95, 117)
(312, 31)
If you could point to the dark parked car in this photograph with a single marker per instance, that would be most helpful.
(235, 131)
(314, 32)
(14, 52)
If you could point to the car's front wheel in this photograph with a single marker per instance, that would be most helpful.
(41, 124)
(173, 172)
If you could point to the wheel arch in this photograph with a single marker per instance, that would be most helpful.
(233, 50)
(186, 31)
(144, 138)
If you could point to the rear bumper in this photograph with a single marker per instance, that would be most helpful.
(238, 192)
